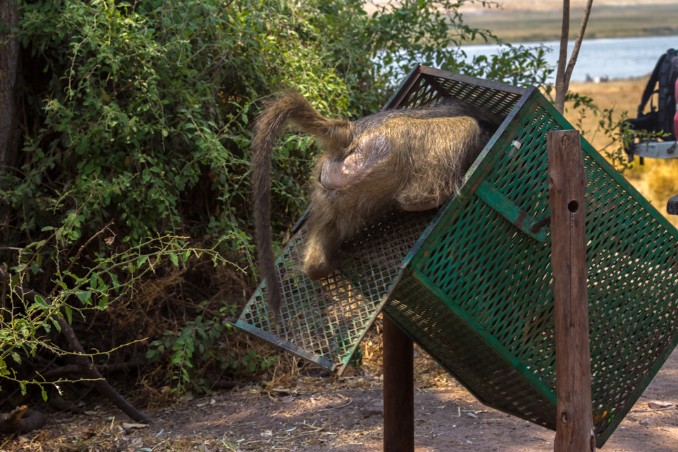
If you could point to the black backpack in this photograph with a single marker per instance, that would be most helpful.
(665, 74)
(662, 82)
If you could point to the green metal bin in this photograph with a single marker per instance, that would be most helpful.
(471, 283)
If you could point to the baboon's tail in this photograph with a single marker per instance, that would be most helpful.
(290, 107)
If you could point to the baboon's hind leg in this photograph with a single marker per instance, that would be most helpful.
(323, 240)
(321, 256)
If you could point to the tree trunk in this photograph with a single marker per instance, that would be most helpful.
(565, 67)
(9, 70)
(9, 66)
(561, 84)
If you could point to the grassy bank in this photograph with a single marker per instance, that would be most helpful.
(657, 179)
(513, 25)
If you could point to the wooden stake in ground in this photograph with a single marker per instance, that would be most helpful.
(574, 431)
(398, 389)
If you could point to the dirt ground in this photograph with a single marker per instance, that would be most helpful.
(324, 412)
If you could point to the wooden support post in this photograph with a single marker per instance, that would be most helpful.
(574, 431)
(398, 389)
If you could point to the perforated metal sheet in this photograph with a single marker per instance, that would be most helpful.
(324, 321)
(494, 280)
(472, 283)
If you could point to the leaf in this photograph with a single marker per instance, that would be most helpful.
(69, 314)
(142, 260)
(56, 324)
(175, 259)
(85, 296)
(41, 301)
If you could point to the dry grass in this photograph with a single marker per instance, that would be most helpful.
(657, 180)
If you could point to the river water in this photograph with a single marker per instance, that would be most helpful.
(613, 58)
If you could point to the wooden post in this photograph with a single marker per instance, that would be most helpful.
(398, 389)
(574, 431)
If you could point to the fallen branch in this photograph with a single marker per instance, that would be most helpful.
(88, 368)
(90, 371)
(74, 369)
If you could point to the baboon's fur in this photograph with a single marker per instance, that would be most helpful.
(412, 159)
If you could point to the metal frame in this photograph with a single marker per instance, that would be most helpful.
(470, 283)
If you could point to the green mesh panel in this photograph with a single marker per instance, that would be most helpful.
(476, 360)
(472, 283)
(497, 279)
(325, 320)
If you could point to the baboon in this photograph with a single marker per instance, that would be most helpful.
(411, 159)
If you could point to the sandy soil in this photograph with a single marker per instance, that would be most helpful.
(332, 414)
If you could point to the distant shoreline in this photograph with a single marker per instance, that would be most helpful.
(606, 21)
(602, 59)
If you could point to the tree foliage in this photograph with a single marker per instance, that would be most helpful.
(128, 206)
